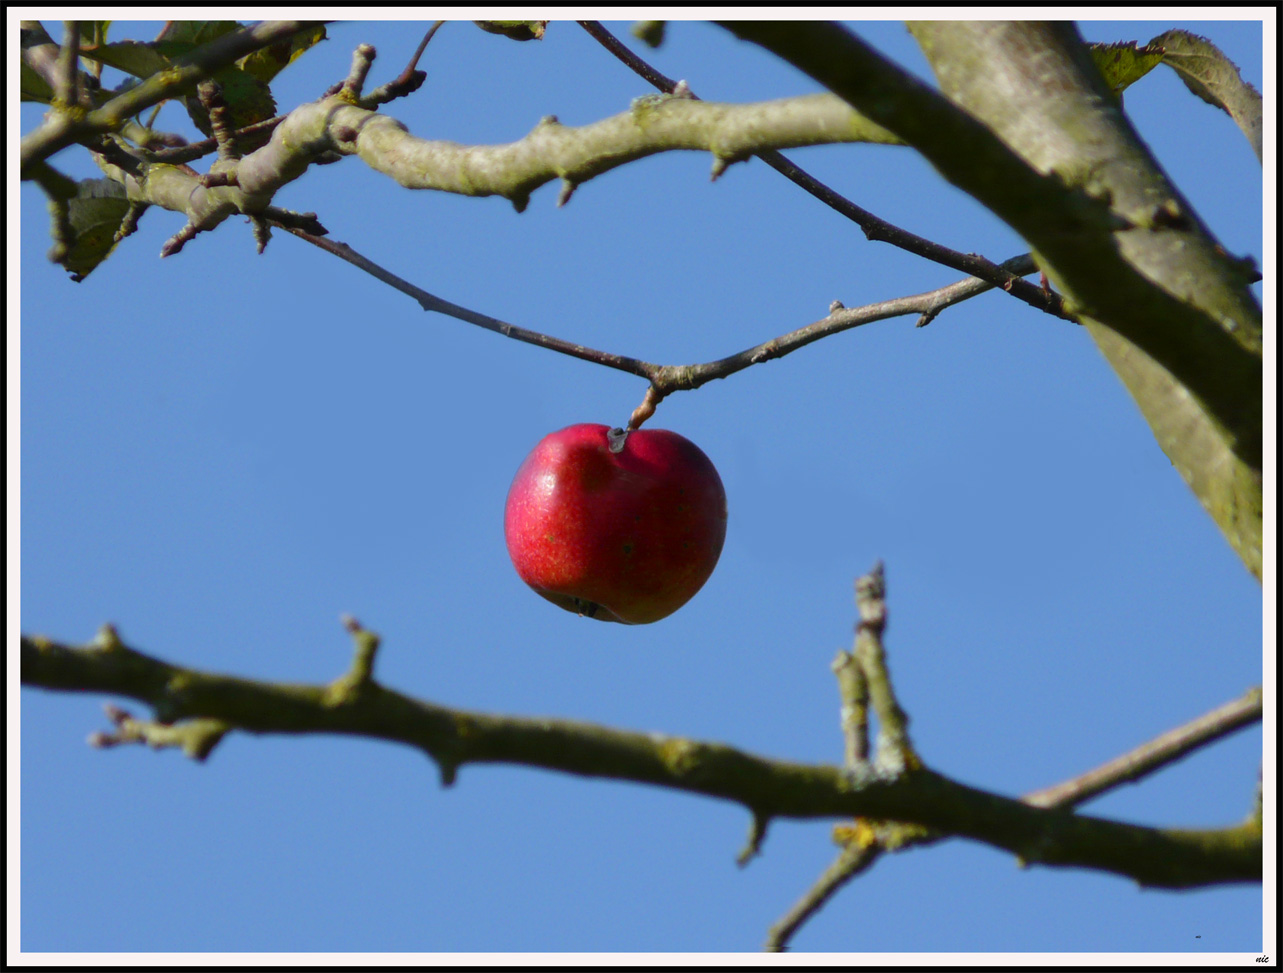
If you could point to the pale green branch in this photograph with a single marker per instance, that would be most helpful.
(1170, 309)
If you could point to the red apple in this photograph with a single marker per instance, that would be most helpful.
(618, 527)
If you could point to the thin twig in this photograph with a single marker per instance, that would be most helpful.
(1128, 768)
(192, 151)
(410, 78)
(853, 688)
(853, 860)
(894, 749)
(430, 302)
(666, 379)
(874, 227)
(1157, 753)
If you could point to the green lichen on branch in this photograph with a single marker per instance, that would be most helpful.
(767, 788)
(576, 154)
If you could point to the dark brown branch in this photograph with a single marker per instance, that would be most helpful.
(430, 302)
(409, 80)
(666, 379)
(1110, 231)
(192, 151)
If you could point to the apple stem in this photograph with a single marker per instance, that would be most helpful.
(616, 438)
(646, 409)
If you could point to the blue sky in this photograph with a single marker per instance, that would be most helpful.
(221, 452)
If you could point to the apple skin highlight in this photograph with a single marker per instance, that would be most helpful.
(627, 536)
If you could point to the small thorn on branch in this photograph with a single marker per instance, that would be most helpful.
(367, 644)
(349, 686)
(756, 835)
(176, 242)
(409, 80)
(262, 232)
(449, 772)
(108, 639)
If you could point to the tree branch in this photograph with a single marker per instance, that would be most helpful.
(1171, 311)
(64, 127)
(1170, 858)
(666, 379)
(854, 859)
(874, 227)
(862, 671)
(865, 841)
(1154, 755)
(340, 124)
(654, 123)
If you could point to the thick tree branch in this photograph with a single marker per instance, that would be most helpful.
(858, 674)
(337, 125)
(865, 841)
(874, 227)
(654, 123)
(1171, 858)
(1171, 311)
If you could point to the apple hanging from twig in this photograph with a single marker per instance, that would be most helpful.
(619, 526)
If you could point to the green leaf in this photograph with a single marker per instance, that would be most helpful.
(96, 214)
(32, 87)
(1215, 78)
(184, 35)
(94, 31)
(132, 57)
(267, 63)
(518, 30)
(1124, 63)
(649, 32)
